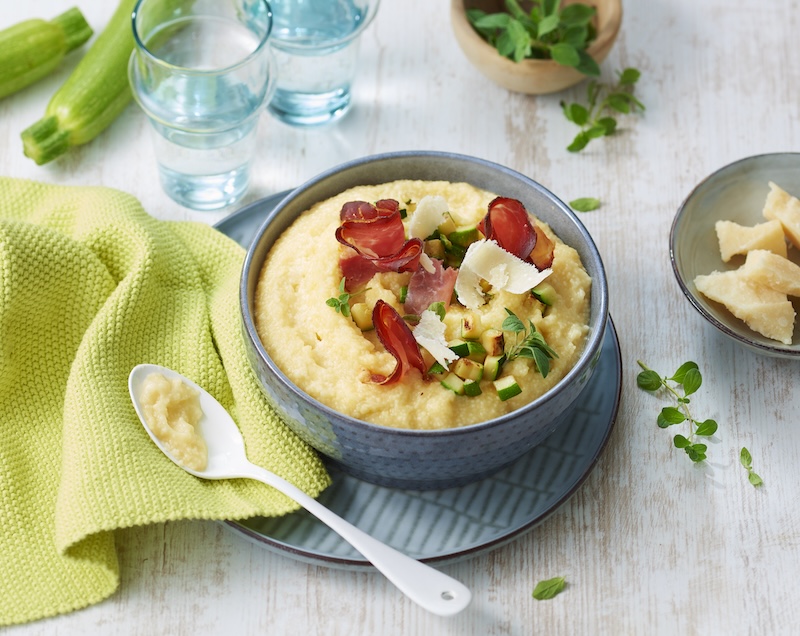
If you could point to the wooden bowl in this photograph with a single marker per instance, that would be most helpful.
(535, 77)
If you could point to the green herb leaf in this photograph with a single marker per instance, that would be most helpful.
(649, 380)
(746, 459)
(609, 124)
(585, 204)
(548, 24)
(533, 345)
(565, 54)
(546, 31)
(438, 309)
(691, 381)
(629, 77)
(587, 64)
(341, 303)
(688, 378)
(681, 372)
(579, 143)
(670, 416)
(512, 323)
(706, 429)
(550, 588)
(577, 13)
(602, 100)
(576, 113)
(680, 441)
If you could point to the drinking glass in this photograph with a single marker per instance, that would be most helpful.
(315, 44)
(202, 71)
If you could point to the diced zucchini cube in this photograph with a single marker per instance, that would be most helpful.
(464, 236)
(507, 387)
(470, 326)
(454, 383)
(362, 316)
(435, 248)
(472, 388)
(545, 293)
(447, 226)
(460, 347)
(467, 349)
(437, 369)
(492, 366)
(493, 342)
(467, 369)
(475, 351)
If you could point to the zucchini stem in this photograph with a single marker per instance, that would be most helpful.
(43, 141)
(76, 29)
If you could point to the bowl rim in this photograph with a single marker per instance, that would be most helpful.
(777, 349)
(594, 339)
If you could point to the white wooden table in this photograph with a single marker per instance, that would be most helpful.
(650, 544)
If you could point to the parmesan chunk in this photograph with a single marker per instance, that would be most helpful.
(772, 270)
(428, 216)
(485, 259)
(426, 263)
(429, 334)
(764, 310)
(785, 208)
(740, 239)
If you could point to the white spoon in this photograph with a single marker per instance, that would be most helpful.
(429, 588)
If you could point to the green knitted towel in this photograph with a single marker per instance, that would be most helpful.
(90, 286)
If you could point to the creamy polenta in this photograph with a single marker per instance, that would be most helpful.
(172, 411)
(329, 357)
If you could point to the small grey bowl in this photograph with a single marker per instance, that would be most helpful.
(735, 193)
(413, 459)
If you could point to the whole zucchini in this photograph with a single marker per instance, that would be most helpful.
(33, 48)
(93, 96)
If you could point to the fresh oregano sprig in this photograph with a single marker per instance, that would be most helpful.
(596, 119)
(546, 31)
(683, 383)
(341, 303)
(746, 459)
(532, 345)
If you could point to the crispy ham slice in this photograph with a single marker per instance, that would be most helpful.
(372, 230)
(507, 222)
(376, 235)
(426, 287)
(397, 337)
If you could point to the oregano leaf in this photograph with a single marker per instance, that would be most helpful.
(549, 588)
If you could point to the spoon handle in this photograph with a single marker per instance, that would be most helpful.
(426, 586)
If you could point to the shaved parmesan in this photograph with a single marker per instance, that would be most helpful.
(426, 263)
(428, 216)
(429, 334)
(486, 260)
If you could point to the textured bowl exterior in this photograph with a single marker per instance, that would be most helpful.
(410, 459)
(534, 77)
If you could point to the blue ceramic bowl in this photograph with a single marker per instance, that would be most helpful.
(415, 459)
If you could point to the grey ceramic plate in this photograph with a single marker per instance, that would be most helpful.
(450, 525)
(733, 193)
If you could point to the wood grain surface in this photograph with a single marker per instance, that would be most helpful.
(650, 544)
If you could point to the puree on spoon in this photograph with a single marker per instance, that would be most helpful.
(409, 304)
(172, 410)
